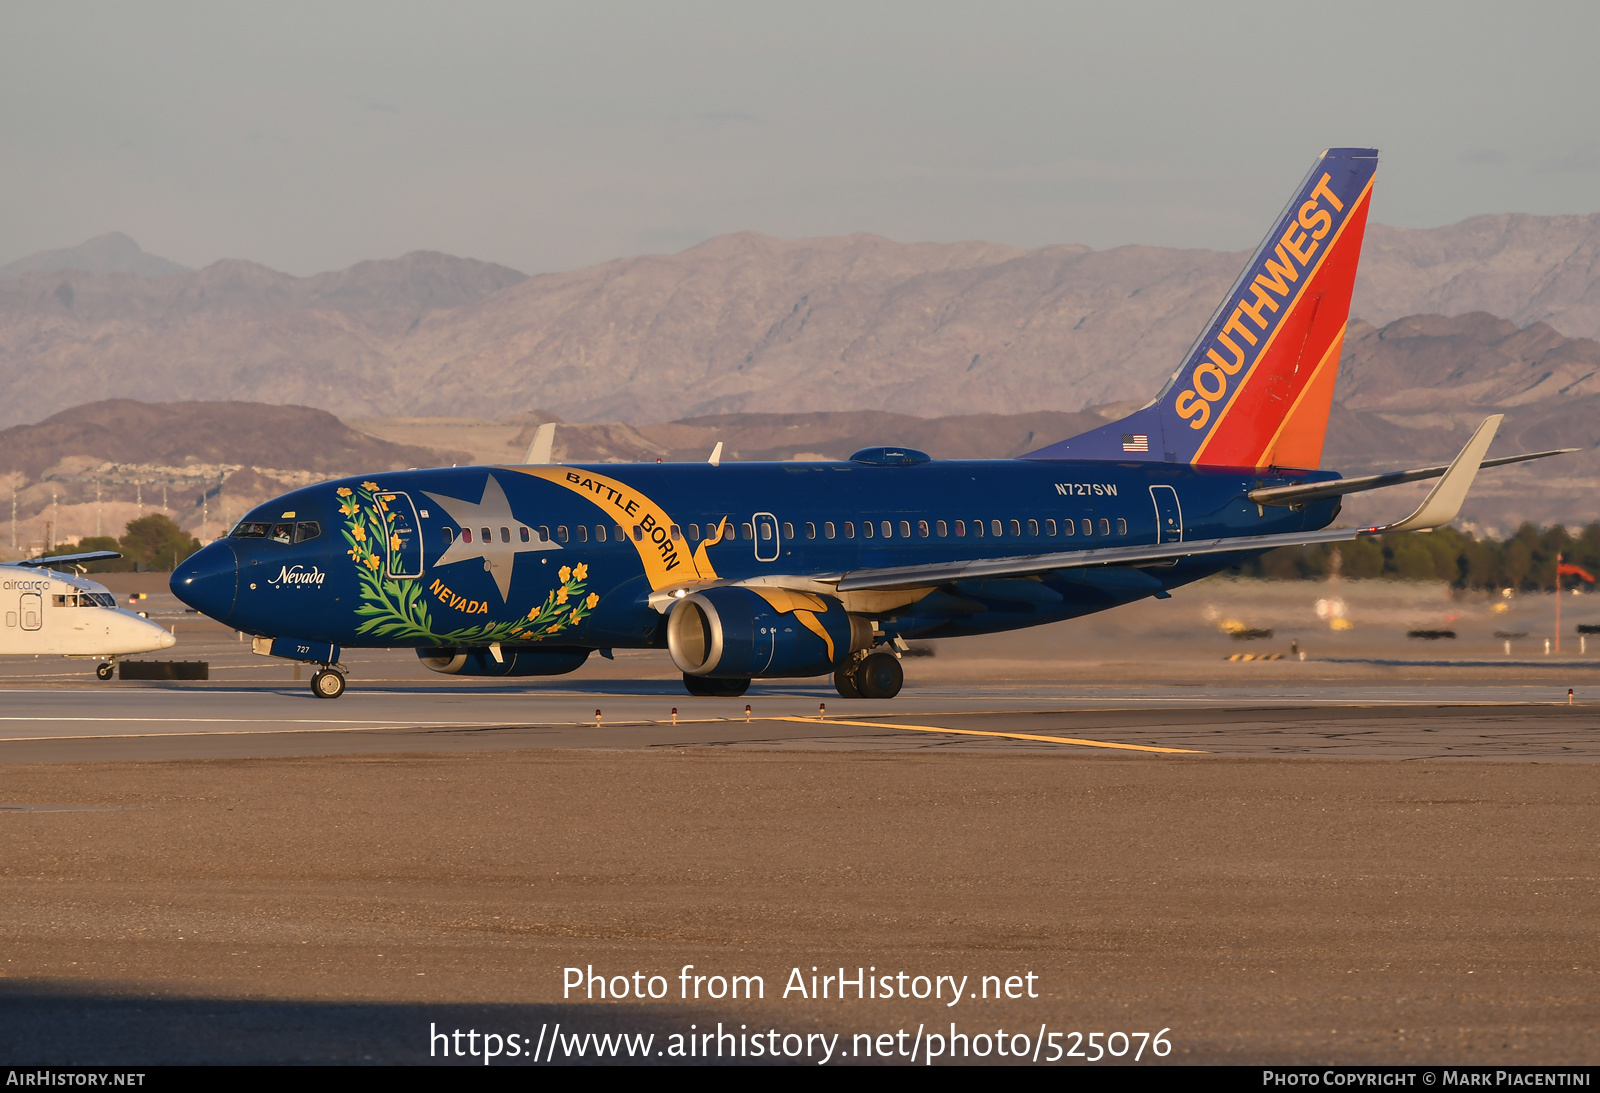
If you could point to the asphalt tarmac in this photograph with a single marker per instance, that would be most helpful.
(1378, 857)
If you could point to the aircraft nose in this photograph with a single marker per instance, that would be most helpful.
(208, 580)
(167, 640)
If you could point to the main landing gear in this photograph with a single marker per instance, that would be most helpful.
(874, 676)
(702, 687)
(105, 671)
(328, 683)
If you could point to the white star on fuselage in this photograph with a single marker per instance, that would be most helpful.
(492, 512)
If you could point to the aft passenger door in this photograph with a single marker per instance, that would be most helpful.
(767, 542)
(1169, 514)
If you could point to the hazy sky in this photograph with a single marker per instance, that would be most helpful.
(311, 136)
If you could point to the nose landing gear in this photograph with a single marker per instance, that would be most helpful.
(328, 683)
(104, 671)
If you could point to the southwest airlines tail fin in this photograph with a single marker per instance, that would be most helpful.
(1255, 389)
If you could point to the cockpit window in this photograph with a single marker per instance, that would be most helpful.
(306, 529)
(249, 529)
(282, 533)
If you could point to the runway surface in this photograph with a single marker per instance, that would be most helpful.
(1390, 860)
(109, 721)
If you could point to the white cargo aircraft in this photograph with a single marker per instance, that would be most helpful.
(47, 612)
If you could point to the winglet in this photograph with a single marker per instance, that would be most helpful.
(544, 439)
(1444, 500)
(716, 455)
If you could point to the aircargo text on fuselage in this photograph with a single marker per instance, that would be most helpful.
(1296, 247)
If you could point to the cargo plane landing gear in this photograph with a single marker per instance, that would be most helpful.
(106, 670)
(877, 675)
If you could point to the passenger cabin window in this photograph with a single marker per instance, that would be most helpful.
(1050, 527)
(1088, 526)
(1033, 527)
(922, 528)
(675, 531)
(505, 534)
(996, 527)
(749, 531)
(487, 535)
(306, 530)
(905, 529)
(849, 529)
(811, 530)
(694, 532)
(466, 535)
(544, 534)
(827, 529)
(599, 533)
(582, 532)
(638, 534)
(621, 535)
(866, 529)
(1069, 527)
(1122, 526)
(788, 530)
(977, 528)
(766, 530)
(1105, 526)
(1016, 527)
(942, 528)
(524, 534)
(561, 533)
(449, 536)
(961, 529)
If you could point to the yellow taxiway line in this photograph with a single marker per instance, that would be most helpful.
(1005, 735)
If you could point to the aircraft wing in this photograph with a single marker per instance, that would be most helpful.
(1439, 507)
(1316, 491)
(68, 559)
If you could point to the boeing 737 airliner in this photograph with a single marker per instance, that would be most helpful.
(761, 570)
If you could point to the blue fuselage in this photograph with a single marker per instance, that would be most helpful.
(574, 552)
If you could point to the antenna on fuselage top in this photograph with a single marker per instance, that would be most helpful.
(716, 455)
(544, 439)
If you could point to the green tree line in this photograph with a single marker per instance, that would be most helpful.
(152, 542)
(1526, 561)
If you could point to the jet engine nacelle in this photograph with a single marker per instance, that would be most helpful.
(751, 633)
(512, 662)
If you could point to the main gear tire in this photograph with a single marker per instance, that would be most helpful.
(327, 683)
(879, 676)
(844, 680)
(705, 687)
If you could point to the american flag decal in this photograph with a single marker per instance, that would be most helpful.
(1135, 442)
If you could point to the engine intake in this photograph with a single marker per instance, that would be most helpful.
(513, 662)
(752, 633)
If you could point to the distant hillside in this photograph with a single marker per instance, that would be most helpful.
(131, 454)
(1408, 395)
(111, 253)
(742, 323)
